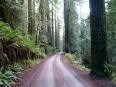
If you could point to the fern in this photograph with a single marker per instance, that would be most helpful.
(7, 32)
(8, 75)
(22, 39)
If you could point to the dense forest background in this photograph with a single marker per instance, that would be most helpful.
(32, 29)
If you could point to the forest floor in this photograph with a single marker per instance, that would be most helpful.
(57, 72)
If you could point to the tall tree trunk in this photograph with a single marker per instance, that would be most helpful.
(30, 17)
(43, 22)
(98, 38)
(56, 32)
(57, 35)
(49, 27)
(66, 20)
(2, 2)
(53, 28)
(57, 29)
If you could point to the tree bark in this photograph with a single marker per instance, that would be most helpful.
(49, 27)
(66, 20)
(98, 38)
(2, 10)
(31, 17)
(53, 28)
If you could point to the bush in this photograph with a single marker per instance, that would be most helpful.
(19, 38)
(7, 32)
(76, 62)
(8, 75)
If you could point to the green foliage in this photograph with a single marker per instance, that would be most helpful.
(22, 39)
(111, 30)
(7, 32)
(8, 75)
(51, 50)
(76, 62)
(85, 40)
(108, 70)
(111, 35)
(113, 72)
(73, 29)
(15, 13)
(27, 64)
(27, 42)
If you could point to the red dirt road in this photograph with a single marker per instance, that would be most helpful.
(55, 72)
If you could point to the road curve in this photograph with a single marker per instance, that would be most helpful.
(53, 73)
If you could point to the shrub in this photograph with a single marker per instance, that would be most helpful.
(8, 75)
(7, 32)
(23, 40)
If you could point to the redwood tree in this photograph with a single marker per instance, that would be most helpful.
(2, 10)
(66, 20)
(31, 17)
(99, 56)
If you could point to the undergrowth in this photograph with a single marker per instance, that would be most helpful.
(20, 38)
(114, 72)
(28, 64)
(76, 62)
(8, 76)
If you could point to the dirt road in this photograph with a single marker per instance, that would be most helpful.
(55, 72)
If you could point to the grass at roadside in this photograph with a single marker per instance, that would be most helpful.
(8, 76)
(28, 64)
(76, 62)
(114, 73)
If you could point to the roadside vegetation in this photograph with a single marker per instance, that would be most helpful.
(84, 65)
(9, 75)
(18, 52)
(76, 62)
